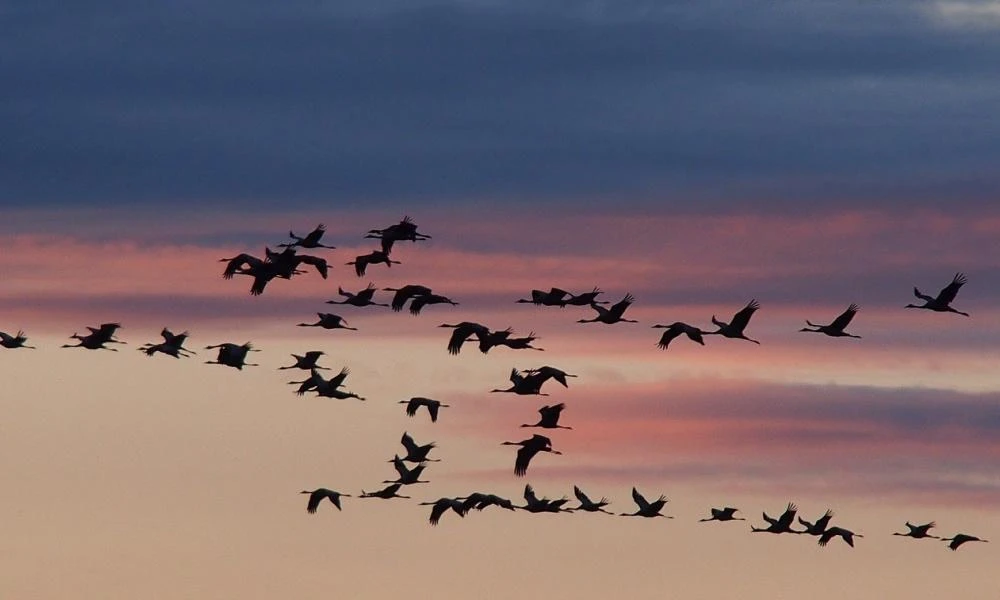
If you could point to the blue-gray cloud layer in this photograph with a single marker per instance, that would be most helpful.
(308, 103)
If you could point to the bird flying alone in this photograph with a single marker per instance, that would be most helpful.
(318, 495)
(432, 406)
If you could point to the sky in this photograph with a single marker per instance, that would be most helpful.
(808, 155)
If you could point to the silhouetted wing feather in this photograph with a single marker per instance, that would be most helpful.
(844, 319)
(948, 294)
(742, 318)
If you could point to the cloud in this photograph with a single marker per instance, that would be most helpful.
(309, 103)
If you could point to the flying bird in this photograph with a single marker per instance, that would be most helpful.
(844, 534)
(172, 345)
(675, 330)
(405, 293)
(416, 402)
(520, 343)
(389, 491)
(535, 504)
(462, 332)
(553, 297)
(529, 448)
(318, 495)
(735, 328)
(310, 240)
(306, 361)
(836, 328)
(414, 452)
(585, 299)
(423, 300)
(647, 508)
(782, 524)
(375, 257)
(232, 355)
(588, 505)
(14, 341)
(363, 298)
(942, 303)
(819, 527)
(329, 321)
(612, 315)
(919, 531)
(479, 501)
(545, 373)
(960, 538)
(530, 385)
(723, 514)
(442, 505)
(97, 338)
(407, 476)
(549, 417)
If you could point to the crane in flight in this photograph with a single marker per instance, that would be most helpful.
(389, 491)
(523, 385)
(363, 298)
(232, 355)
(423, 300)
(722, 514)
(319, 495)
(836, 328)
(442, 505)
(462, 332)
(407, 292)
(588, 505)
(612, 315)
(919, 532)
(819, 527)
(528, 449)
(415, 452)
(329, 321)
(310, 240)
(14, 341)
(734, 329)
(375, 257)
(782, 524)
(534, 504)
(172, 345)
(942, 302)
(675, 330)
(960, 538)
(844, 534)
(646, 508)
(549, 417)
(407, 476)
(97, 338)
(306, 361)
(432, 406)
(479, 501)
(553, 297)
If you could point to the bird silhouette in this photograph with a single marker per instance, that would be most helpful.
(529, 448)
(612, 315)
(960, 538)
(232, 355)
(522, 385)
(97, 338)
(329, 321)
(315, 381)
(14, 341)
(462, 332)
(919, 531)
(405, 230)
(782, 524)
(407, 476)
(172, 345)
(416, 402)
(735, 328)
(405, 293)
(836, 328)
(588, 505)
(585, 299)
(844, 534)
(318, 495)
(375, 257)
(479, 501)
(306, 361)
(520, 343)
(360, 299)
(419, 302)
(942, 303)
(553, 297)
(414, 452)
(442, 505)
(675, 330)
(310, 240)
(389, 491)
(819, 527)
(723, 514)
(549, 417)
(646, 508)
(545, 373)
(535, 504)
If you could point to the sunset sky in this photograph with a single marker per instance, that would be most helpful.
(806, 154)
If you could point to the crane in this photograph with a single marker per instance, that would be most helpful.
(942, 302)
(836, 328)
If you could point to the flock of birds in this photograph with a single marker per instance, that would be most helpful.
(288, 262)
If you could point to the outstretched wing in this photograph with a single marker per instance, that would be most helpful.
(742, 318)
(642, 503)
(951, 290)
(845, 318)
